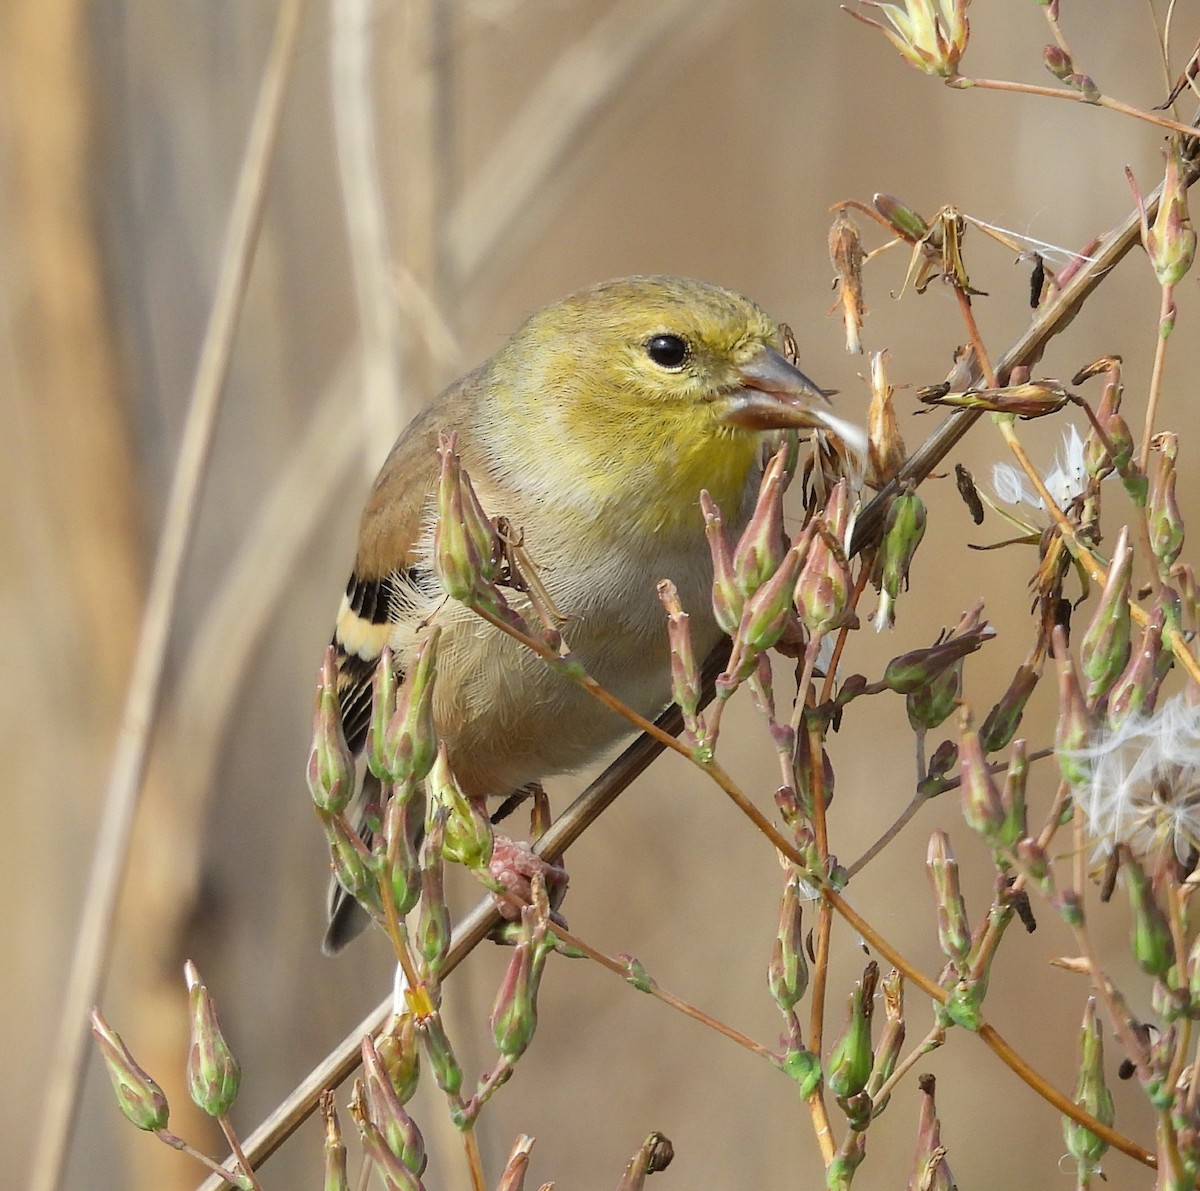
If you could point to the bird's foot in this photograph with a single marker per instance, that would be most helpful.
(513, 866)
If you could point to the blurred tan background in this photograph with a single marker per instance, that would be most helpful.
(526, 147)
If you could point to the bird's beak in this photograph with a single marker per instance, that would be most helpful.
(776, 395)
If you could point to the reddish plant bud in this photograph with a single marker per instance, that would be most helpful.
(1033, 399)
(767, 613)
(1136, 691)
(1163, 517)
(918, 669)
(213, 1074)
(397, 1129)
(1170, 242)
(138, 1096)
(954, 930)
(514, 1015)
(931, 1171)
(823, 589)
(512, 1178)
(1012, 797)
(887, 1053)
(686, 683)
(727, 595)
(1058, 62)
(762, 546)
(982, 808)
(1001, 723)
(787, 974)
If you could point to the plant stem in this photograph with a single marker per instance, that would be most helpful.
(1103, 101)
(235, 1148)
(667, 998)
(1165, 317)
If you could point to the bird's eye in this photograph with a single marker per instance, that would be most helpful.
(667, 351)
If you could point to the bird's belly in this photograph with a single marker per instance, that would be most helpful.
(508, 718)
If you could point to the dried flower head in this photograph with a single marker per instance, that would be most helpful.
(1064, 481)
(1143, 787)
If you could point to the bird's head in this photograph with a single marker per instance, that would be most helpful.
(662, 371)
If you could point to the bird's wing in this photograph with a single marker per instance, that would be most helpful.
(387, 573)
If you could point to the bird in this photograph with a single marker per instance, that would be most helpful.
(593, 430)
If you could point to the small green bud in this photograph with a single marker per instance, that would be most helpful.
(1092, 1095)
(768, 611)
(903, 219)
(213, 1073)
(901, 537)
(1012, 797)
(330, 766)
(1106, 643)
(1073, 727)
(383, 707)
(352, 863)
(469, 837)
(787, 974)
(402, 826)
(1136, 691)
(1153, 947)
(138, 1096)
(397, 1129)
(805, 1068)
(400, 1056)
(1163, 517)
(432, 935)
(851, 1058)
(446, 1071)
(410, 745)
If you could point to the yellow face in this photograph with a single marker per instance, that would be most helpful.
(654, 385)
(649, 346)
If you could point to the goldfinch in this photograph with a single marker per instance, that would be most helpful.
(593, 430)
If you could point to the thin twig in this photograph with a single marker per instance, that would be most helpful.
(351, 41)
(146, 681)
